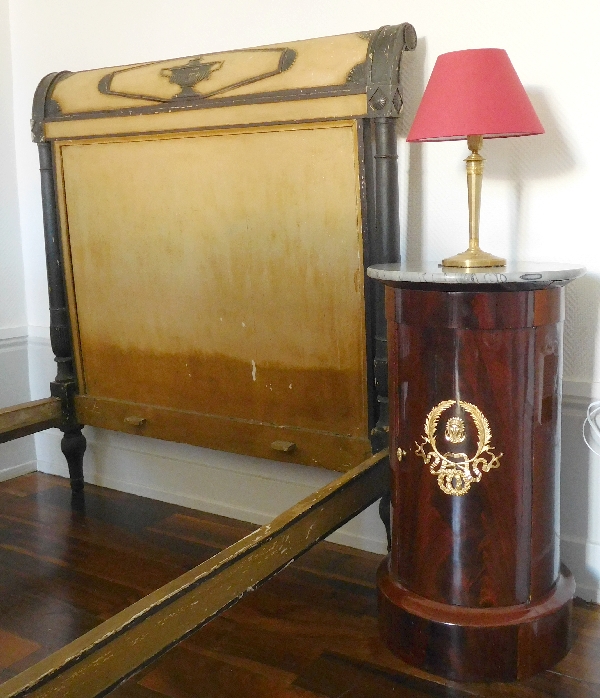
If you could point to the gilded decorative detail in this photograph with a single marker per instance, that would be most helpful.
(456, 472)
(455, 430)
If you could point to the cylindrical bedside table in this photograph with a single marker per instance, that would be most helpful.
(473, 589)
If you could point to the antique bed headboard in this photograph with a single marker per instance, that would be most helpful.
(208, 225)
(208, 222)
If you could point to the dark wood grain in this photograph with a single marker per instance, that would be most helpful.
(494, 546)
(583, 661)
(336, 676)
(131, 639)
(471, 550)
(476, 644)
(63, 570)
(545, 458)
(309, 632)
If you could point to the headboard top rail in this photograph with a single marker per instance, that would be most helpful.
(361, 67)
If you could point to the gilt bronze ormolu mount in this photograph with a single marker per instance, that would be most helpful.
(456, 471)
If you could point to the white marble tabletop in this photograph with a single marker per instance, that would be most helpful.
(542, 273)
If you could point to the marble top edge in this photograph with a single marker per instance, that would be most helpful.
(516, 272)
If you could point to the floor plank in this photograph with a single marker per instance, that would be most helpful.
(310, 631)
(14, 649)
(335, 676)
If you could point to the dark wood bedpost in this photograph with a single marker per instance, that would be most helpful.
(64, 386)
(382, 241)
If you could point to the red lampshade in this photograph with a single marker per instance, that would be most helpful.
(474, 92)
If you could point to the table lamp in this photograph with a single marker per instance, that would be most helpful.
(472, 95)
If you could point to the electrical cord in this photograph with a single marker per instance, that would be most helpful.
(593, 411)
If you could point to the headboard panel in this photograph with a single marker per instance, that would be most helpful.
(213, 218)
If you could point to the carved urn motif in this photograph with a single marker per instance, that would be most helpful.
(190, 74)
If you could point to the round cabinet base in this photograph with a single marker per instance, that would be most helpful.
(476, 644)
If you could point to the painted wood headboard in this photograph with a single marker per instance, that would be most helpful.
(208, 224)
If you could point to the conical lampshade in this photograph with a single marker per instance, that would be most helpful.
(474, 92)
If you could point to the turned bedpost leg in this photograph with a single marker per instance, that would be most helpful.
(385, 516)
(73, 446)
(385, 246)
(73, 443)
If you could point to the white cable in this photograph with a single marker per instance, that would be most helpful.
(593, 411)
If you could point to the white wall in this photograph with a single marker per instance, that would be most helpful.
(19, 456)
(13, 318)
(539, 194)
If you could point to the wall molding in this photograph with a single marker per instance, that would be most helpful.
(580, 495)
(17, 457)
(586, 390)
(575, 403)
(17, 470)
(12, 343)
(7, 333)
(573, 390)
(40, 333)
(583, 559)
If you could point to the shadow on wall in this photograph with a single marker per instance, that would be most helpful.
(522, 161)
(514, 160)
(580, 490)
(519, 160)
(581, 329)
(580, 468)
(413, 86)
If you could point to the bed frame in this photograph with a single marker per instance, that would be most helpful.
(208, 223)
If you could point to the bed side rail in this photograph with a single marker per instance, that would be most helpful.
(29, 417)
(98, 661)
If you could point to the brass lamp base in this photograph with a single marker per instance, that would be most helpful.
(473, 258)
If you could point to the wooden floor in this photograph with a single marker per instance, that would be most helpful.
(310, 631)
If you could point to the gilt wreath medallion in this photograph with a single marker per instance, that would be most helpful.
(455, 471)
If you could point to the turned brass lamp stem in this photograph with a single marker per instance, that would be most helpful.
(474, 256)
(474, 181)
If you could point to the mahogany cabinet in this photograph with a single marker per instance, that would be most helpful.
(473, 588)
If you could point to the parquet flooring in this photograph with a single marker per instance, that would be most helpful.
(311, 631)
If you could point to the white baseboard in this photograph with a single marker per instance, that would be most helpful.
(585, 390)
(583, 559)
(243, 488)
(14, 333)
(580, 500)
(17, 470)
(16, 457)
